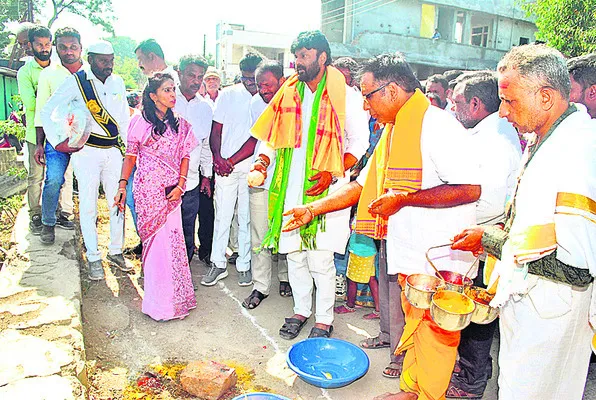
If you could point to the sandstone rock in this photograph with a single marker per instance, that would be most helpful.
(23, 356)
(47, 388)
(208, 380)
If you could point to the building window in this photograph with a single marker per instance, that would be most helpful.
(480, 36)
(523, 40)
(459, 27)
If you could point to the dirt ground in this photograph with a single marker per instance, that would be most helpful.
(123, 345)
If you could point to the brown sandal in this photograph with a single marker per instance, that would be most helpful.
(374, 343)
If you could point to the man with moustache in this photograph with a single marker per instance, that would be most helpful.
(232, 148)
(195, 109)
(416, 192)
(39, 43)
(476, 104)
(315, 130)
(57, 189)
(100, 160)
(270, 76)
(542, 262)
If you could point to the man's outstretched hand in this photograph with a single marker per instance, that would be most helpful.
(301, 215)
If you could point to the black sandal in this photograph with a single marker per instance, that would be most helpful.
(253, 300)
(291, 328)
(318, 332)
(285, 290)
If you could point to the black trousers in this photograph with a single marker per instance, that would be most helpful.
(206, 220)
(190, 210)
(474, 352)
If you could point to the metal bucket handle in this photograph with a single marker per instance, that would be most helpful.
(437, 270)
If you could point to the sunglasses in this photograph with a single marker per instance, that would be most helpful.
(368, 95)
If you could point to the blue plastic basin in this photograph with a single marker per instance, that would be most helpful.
(327, 363)
(260, 396)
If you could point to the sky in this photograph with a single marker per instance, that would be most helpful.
(179, 25)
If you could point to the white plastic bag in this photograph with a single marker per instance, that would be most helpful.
(73, 126)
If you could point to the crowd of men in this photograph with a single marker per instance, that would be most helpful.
(275, 162)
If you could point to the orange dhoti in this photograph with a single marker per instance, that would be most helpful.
(430, 352)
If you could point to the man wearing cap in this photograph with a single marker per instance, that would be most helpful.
(56, 197)
(100, 160)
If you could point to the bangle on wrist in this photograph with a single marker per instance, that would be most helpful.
(121, 190)
(311, 209)
(123, 180)
(230, 161)
(183, 177)
(180, 187)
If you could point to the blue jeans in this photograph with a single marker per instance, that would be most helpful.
(56, 164)
(190, 210)
(130, 201)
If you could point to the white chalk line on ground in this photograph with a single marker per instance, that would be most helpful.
(261, 330)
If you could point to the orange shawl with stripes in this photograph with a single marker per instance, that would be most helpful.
(280, 125)
(396, 164)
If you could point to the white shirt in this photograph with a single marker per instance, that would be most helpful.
(112, 95)
(257, 106)
(448, 157)
(499, 149)
(337, 231)
(232, 110)
(198, 112)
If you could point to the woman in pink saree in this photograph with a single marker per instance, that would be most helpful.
(159, 143)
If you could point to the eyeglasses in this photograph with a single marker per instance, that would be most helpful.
(368, 95)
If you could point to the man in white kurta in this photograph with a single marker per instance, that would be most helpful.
(96, 164)
(306, 266)
(195, 109)
(269, 77)
(545, 255)
(232, 148)
(476, 102)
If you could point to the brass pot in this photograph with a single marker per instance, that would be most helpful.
(420, 289)
(483, 314)
(451, 310)
(454, 280)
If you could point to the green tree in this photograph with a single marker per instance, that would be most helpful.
(567, 25)
(13, 11)
(125, 62)
(98, 12)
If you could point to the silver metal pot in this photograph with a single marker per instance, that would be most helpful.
(451, 310)
(420, 289)
(483, 314)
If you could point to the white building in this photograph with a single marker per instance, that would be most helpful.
(233, 42)
(475, 34)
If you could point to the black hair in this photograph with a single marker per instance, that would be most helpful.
(38, 31)
(250, 62)
(150, 46)
(391, 67)
(437, 78)
(271, 66)
(583, 70)
(149, 109)
(484, 86)
(346, 63)
(67, 32)
(312, 40)
(189, 59)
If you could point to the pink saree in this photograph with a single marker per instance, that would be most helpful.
(169, 291)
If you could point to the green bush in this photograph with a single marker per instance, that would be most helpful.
(11, 127)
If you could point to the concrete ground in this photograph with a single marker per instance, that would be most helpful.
(121, 341)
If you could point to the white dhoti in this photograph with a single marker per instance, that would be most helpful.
(93, 166)
(550, 359)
